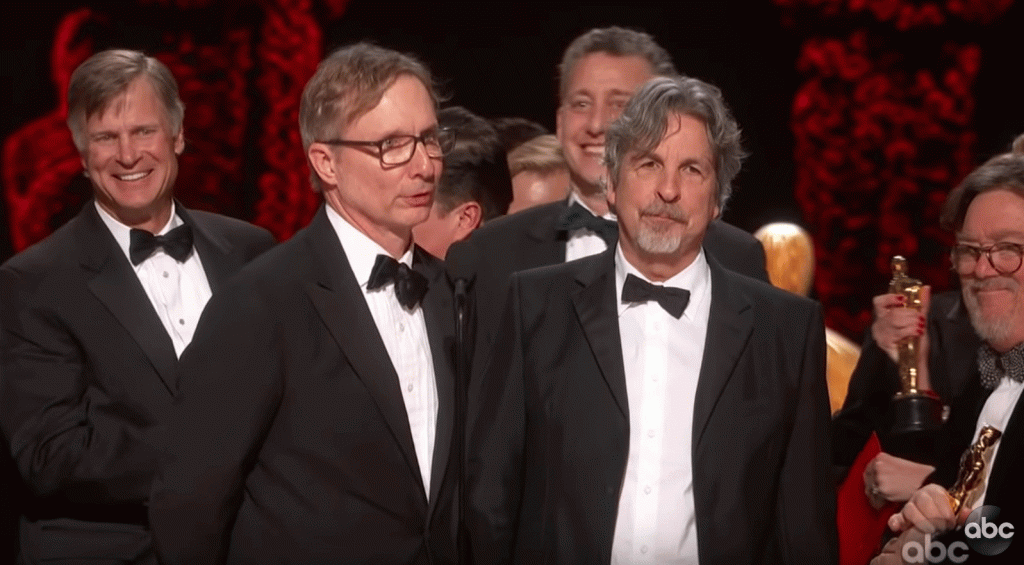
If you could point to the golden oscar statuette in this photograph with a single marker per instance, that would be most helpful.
(914, 414)
(972, 469)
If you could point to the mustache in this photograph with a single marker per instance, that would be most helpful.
(664, 210)
(995, 283)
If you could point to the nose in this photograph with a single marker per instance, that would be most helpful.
(127, 152)
(983, 267)
(598, 118)
(423, 165)
(671, 187)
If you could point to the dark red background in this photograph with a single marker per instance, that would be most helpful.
(860, 114)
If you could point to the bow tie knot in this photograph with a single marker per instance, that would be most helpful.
(577, 217)
(410, 286)
(993, 366)
(673, 300)
(177, 243)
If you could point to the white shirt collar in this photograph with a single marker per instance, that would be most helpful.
(694, 278)
(574, 197)
(122, 233)
(360, 250)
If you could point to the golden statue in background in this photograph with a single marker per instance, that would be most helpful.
(789, 259)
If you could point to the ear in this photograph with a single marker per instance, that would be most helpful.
(321, 159)
(179, 141)
(609, 192)
(468, 218)
(558, 122)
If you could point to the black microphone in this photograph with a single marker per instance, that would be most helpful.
(460, 264)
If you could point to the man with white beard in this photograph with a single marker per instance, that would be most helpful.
(987, 214)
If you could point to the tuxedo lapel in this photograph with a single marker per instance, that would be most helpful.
(1001, 481)
(549, 242)
(340, 303)
(111, 279)
(730, 324)
(438, 314)
(596, 307)
(215, 251)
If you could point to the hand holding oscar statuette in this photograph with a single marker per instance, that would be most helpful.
(914, 414)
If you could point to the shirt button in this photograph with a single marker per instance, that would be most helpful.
(647, 490)
(409, 388)
(401, 327)
(650, 433)
(643, 549)
(166, 274)
(181, 321)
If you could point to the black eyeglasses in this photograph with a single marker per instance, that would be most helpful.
(399, 149)
(1005, 257)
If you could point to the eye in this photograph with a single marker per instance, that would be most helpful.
(395, 142)
(102, 137)
(579, 104)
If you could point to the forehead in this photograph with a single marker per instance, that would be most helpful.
(993, 215)
(405, 107)
(137, 102)
(685, 136)
(597, 73)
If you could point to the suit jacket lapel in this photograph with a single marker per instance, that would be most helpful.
(215, 252)
(113, 281)
(339, 301)
(438, 314)
(730, 324)
(1011, 445)
(596, 308)
(550, 242)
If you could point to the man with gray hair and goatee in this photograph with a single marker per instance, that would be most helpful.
(645, 404)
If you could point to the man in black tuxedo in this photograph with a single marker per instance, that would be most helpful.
(599, 72)
(94, 317)
(647, 405)
(316, 413)
(986, 211)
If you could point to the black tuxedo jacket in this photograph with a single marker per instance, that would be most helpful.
(531, 239)
(952, 370)
(549, 434)
(86, 368)
(291, 443)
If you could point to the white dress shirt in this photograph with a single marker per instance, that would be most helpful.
(662, 356)
(583, 242)
(996, 413)
(404, 333)
(177, 291)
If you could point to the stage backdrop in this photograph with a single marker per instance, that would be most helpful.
(859, 115)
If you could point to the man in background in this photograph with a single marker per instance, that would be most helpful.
(474, 188)
(539, 173)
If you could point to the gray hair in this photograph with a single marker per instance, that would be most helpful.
(107, 74)
(617, 41)
(1004, 171)
(642, 126)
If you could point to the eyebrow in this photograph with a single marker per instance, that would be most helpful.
(997, 237)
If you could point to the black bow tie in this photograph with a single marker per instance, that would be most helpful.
(993, 366)
(410, 286)
(673, 300)
(177, 243)
(577, 217)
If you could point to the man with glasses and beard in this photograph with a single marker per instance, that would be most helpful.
(986, 211)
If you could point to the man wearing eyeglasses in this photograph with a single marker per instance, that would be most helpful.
(973, 342)
(316, 414)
